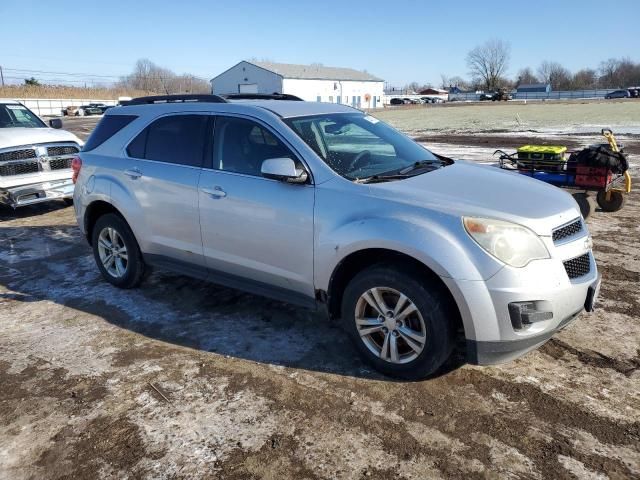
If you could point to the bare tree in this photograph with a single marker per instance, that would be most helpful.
(445, 82)
(149, 77)
(584, 79)
(526, 77)
(608, 69)
(489, 62)
(555, 74)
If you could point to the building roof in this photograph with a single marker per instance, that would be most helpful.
(316, 72)
(533, 86)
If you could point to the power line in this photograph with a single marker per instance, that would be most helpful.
(19, 71)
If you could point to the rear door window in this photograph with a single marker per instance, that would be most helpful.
(107, 128)
(178, 139)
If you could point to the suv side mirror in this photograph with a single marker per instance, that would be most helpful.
(283, 169)
(55, 123)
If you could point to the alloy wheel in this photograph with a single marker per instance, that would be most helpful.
(390, 325)
(113, 252)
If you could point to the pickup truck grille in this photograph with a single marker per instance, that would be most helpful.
(19, 168)
(60, 163)
(567, 231)
(32, 160)
(17, 155)
(63, 150)
(578, 266)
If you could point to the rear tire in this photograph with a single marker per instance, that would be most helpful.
(586, 204)
(429, 324)
(116, 252)
(615, 203)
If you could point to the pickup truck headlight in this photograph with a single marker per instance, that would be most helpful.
(509, 242)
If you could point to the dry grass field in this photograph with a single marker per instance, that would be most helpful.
(62, 92)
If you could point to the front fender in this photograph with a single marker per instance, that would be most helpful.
(443, 246)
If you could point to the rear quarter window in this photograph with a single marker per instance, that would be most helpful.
(108, 127)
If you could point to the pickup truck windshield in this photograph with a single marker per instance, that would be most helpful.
(14, 115)
(358, 146)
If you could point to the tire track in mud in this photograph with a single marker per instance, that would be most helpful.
(454, 414)
(557, 349)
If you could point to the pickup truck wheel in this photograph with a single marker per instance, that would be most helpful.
(398, 321)
(116, 252)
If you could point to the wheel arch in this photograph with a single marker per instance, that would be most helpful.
(357, 261)
(94, 211)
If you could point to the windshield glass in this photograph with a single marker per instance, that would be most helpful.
(359, 146)
(14, 115)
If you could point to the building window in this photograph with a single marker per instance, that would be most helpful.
(330, 98)
(319, 99)
(346, 99)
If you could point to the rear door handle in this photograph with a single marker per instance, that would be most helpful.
(133, 173)
(216, 191)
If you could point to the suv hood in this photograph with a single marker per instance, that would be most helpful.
(471, 189)
(17, 137)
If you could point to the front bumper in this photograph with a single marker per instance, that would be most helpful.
(484, 305)
(36, 192)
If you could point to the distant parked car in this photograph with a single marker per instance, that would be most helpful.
(486, 96)
(501, 95)
(409, 101)
(102, 106)
(396, 101)
(82, 110)
(618, 94)
(634, 92)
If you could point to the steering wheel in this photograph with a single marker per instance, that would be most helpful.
(358, 158)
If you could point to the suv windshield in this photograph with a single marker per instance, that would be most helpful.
(359, 146)
(15, 115)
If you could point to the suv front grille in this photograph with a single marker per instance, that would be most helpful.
(567, 231)
(62, 150)
(17, 155)
(578, 266)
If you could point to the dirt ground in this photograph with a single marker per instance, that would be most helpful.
(184, 379)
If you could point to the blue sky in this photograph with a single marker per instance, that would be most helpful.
(400, 41)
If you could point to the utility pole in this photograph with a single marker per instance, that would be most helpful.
(1, 75)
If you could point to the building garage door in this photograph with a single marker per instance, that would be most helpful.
(248, 88)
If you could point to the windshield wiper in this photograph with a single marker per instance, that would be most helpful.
(380, 178)
(420, 164)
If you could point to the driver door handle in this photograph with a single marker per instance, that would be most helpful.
(133, 173)
(216, 191)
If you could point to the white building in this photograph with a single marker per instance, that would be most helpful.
(309, 82)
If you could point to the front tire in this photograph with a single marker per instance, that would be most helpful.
(399, 321)
(116, 252)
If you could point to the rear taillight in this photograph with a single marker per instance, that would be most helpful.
(76, 165)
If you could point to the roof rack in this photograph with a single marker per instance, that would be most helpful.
(261, 96)
(175, 99)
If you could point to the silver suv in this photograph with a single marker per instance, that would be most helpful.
(324, 206)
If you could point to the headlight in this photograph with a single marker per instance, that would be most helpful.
(509, 242)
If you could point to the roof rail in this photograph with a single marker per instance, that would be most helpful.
(261, 96)
(175, 99)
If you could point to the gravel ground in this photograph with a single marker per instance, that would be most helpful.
(184, 379)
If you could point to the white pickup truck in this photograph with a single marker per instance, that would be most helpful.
(35, 159)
